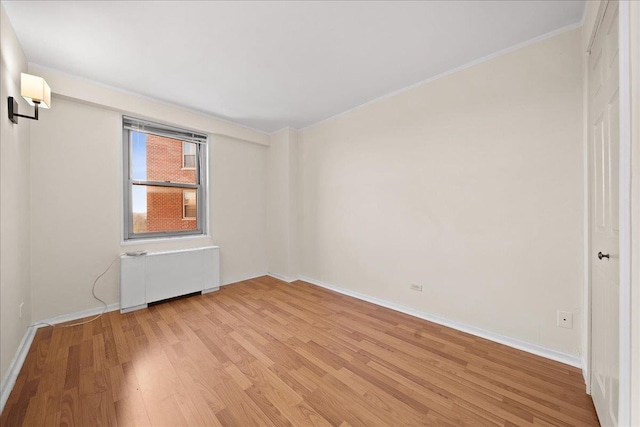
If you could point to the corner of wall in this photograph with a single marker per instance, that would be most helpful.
(282, 204)
(15, 278)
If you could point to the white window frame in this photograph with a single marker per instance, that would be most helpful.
(130, 125)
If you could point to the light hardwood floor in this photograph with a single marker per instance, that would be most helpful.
(264, 352)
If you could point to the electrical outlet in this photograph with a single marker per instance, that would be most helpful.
(20, 309)
(565, 319)
(415, 287)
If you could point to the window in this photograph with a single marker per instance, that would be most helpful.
(164, 180)
(189, 205)
(188, 155)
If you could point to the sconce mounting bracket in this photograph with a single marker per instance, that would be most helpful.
(13, 111)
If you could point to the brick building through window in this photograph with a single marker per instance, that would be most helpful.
(170, 208)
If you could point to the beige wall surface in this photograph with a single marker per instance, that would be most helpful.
(86, 91)
(278, 161)
(282, 204)
(76, 202)
(470, 185)
(238, 173)
(14, 201)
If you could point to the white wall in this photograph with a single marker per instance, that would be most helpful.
(14, 201)
(76, 201)
(470, 185)
(282, 205)
(278, 161)
(238, 172)
(89, 92)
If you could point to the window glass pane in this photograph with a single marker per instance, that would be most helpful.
(162, 209)
(139, 156)
(157, 158)
(139, 207)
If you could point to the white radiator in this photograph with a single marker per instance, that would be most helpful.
(161, 275)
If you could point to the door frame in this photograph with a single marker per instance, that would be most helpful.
(634, 11)
(624, 394)
(624, 37)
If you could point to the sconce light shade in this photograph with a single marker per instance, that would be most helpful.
(35, 90)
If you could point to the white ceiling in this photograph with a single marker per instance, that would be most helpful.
(268, 65)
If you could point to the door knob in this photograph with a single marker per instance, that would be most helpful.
(601, 255)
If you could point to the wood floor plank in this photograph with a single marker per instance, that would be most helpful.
(131, 411)
(264, 352)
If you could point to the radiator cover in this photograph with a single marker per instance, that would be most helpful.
(162, 275)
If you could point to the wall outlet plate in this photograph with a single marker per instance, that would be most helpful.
(565, 319)
(415, 287)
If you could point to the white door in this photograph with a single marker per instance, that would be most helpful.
(604, 176)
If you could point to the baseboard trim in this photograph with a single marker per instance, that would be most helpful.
(585, 374)
(547, 353)
(21, 353)
(75, 316)
(283, 278)
(242, 279)
(23, 349)
(11, 376)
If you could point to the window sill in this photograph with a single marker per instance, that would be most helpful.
(134, 242)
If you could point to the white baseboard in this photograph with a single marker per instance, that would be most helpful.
(75, 316)
(23, 349)
(16, 364)
(11, 376)
(283, 278)
(242, 279)
(558, 356)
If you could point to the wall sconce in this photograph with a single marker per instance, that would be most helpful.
(35, 91)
